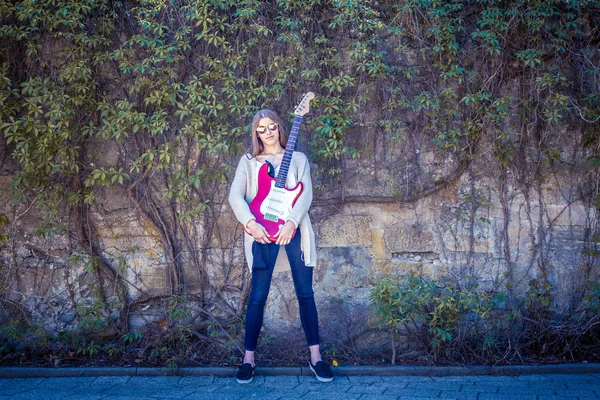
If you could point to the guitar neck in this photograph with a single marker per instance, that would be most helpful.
(287, 156)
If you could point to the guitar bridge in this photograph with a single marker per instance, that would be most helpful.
(271, 217)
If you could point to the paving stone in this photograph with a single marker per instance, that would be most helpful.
(294, 393)
(65, 383)
(401, 385)
(524, 390)
(10, 390)
(92, 396)
(27, 382)
(502, 396)
(402, 381)
(566, 387)
(364, 380)
(503, 381)
(270, 396)
(283, 379)
(195, 381)
(452, 380)
(533, 378)
(243, 390)
(582, 385)
(458, 378)
(283, 382)
(553, 397)
(38, 395)
(232, 382)
(548, 385)
(323, 387)
(212, 396)
(365, 397)
(435, 386)
(173, 393)
(35, 395)
(278, 394)
(328, 396)
(67, 391)
(111, 380)
(565, 377)
(395, 391)
(118, 397)
(337, 380)
(408, 379)
(454, 394)
(154, 381)
(125, 390)
(367, 389)
(575, 393)
(480, 388)
(219, 384)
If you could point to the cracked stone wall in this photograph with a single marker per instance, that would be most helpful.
(462, 230)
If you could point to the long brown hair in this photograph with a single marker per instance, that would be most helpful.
(257, 145)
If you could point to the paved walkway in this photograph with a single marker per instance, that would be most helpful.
(525, 387)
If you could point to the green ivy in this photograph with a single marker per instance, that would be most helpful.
(168, 72)
(450, 322)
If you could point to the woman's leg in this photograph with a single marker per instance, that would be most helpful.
(315, 354)
(302, 276)
(259, 291)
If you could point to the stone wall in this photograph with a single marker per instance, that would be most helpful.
(446, 237)
(433, 216)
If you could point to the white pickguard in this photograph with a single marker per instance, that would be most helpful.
(279, 201)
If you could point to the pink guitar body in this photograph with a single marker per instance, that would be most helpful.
(272, 204)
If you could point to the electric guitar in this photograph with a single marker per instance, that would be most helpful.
(274, 202)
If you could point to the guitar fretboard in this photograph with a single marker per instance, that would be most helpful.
(287, 156)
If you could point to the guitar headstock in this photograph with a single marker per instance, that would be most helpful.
(303, 108)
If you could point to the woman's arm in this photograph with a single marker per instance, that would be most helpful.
(237, 194)
(237, 200)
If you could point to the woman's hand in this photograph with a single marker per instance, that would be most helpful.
(285, 233)
(258, 232)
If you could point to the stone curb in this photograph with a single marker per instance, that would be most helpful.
(38, 372)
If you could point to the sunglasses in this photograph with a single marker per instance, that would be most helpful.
(262, 129)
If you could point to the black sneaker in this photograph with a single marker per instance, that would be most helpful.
(245, 373)
(322, 371)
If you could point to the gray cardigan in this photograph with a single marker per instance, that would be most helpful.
(244, 188)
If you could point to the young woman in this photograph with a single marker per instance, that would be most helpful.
(268, 144)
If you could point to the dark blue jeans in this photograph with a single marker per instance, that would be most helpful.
(261, 282)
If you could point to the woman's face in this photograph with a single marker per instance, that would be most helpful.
(268, 132)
